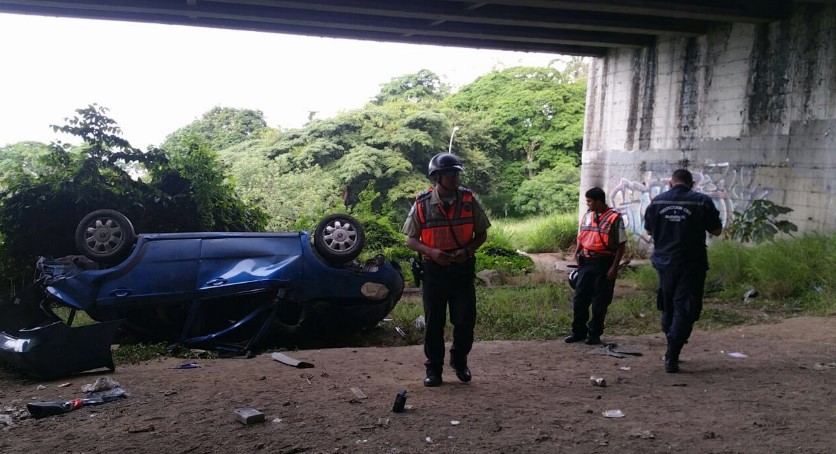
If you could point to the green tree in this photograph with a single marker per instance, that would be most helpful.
(219, 128)
(535, 117)
(39, 212)
(424, 85)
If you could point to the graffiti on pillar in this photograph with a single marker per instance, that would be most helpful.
(732, 188)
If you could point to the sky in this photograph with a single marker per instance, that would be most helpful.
(156, 78)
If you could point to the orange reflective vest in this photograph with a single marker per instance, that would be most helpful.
(594, 237)
(446, 230)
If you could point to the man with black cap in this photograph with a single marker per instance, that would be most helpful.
(677, 220)
(446, 225)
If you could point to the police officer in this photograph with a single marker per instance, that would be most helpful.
(677, 220)
(446, 225)
(601, 243)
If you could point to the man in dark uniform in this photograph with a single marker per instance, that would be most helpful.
(677, 220)
(446, 225)
(600, 247)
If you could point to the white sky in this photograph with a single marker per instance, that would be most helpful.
(158, 78)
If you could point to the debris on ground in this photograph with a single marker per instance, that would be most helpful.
(101, 384)
(187, 366)
(248, 416)
(613, 349)
(284, 359)
(598, 381)
(400, 401)
(613, 414)
(358, 393)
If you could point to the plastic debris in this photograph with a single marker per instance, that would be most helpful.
(284, 359)
(101, 384)
(64, 385)
(751, 293)
(186, 366)
(400, 331)
(738, 355)
(613, 414)
(598, 381)
(428, 440)
(823, 366)
(358, 393)
(455, 423)
(41, 387)
(624, 367)
(6, 420)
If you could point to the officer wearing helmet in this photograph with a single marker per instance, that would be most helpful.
(446, 226)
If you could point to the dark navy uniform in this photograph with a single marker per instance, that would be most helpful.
(678, 220)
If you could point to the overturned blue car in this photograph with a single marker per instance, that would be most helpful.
(230, 292)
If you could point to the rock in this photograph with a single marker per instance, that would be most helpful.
(490, 277)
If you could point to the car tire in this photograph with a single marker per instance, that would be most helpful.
(105, 236)
(339, 238)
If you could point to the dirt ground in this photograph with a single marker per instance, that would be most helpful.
(525, 397)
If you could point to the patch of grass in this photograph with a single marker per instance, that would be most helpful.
(553, 233)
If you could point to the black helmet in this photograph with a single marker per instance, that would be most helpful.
(573, 278)
(445, 161)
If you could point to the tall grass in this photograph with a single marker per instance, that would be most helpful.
(553, 233)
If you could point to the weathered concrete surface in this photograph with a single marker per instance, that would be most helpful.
(749, 109)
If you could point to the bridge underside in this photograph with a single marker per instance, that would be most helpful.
(577, 27)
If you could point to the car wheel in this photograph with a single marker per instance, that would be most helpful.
(105, 236)
(339, 238)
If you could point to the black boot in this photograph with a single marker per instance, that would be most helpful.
(672, 357)
(433, 378)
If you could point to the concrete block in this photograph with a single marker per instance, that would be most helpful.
(248, 416)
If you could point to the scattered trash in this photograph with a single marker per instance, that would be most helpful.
(455, 423)
(400, 401)
(64, 385)
(643, 434)
(383, 422)
(420, 322)
(6, 420)
(248, 416)
(400, 331)
(43, 409)
(428, 440)
(139, 430)
(613, 414)
(41, 387)
(284, 359)
(598, 381)
(624, 367)
(101, 384)
(738, 355)
(751, 293)
(612, 349)
(277, 420)
(186, 366)
(358, 393)
(823, 366)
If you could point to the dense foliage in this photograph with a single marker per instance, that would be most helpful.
(43, 202)
(518, 132)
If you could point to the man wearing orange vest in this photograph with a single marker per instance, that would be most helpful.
(601, 243)
(446, 225)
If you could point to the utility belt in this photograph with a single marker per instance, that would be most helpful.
(596, 260)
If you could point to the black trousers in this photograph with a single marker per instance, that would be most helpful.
(449, 285)
(679, 297)
(595, 290)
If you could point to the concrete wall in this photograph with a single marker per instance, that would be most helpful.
(749, 109)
